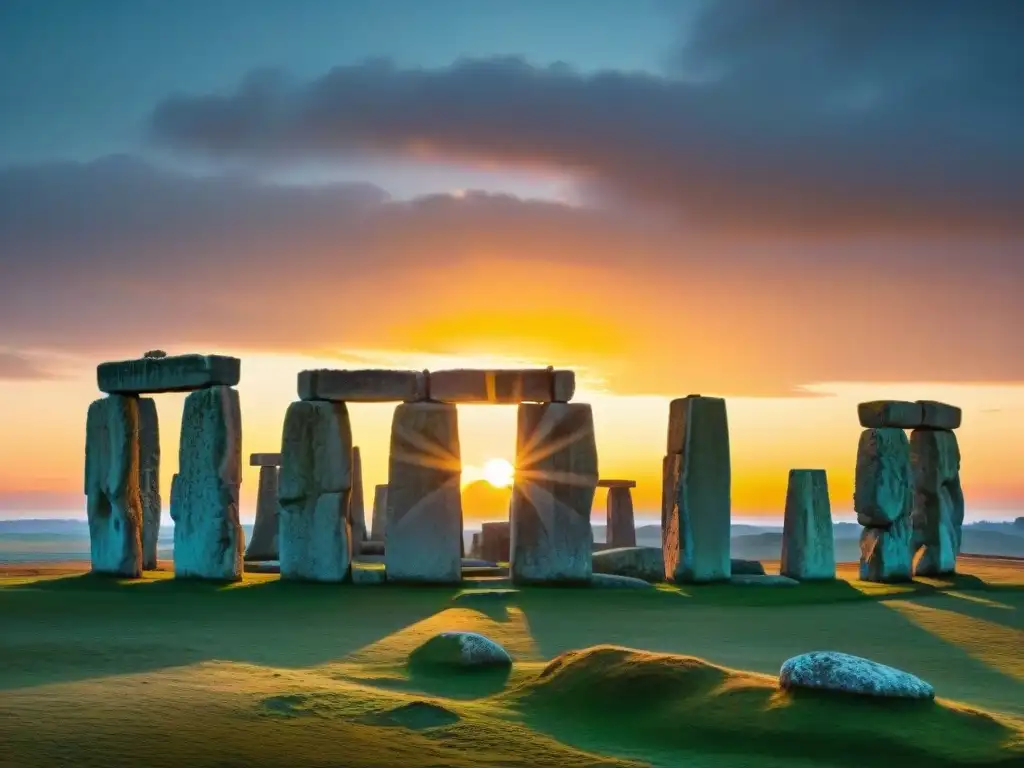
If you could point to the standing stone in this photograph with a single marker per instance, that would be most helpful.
(313, 492)
(885, 553)
(808, 545)
(113, 503)
(938, 512)
(883, 485)
(208, 537)
(424, 501)
(494, 542)
(696, 536)
(379, 523)
(620, 529)
(264, 542)
(149, 479)
(556, 459)
(356, 506)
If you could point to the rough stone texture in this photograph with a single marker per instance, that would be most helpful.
(356, 506)
(379, 523)
(424, 506)
(368, 574)
(620, 529)
(616, 483)
(462, 649)
(180, 373)
(265, 460)
(808, 545)
(746, 567)
(883, 483)
(556, 457)
(365, 386)
(149, 479)
(762, 580)
(494, 542)
(938, 512)
(897, 414)
(564, 386)
(614, 581)
(472, 385)
(834, 671)
(113, 502)
(264, 542)
(313, 492)
(647, 563)
(697, 531)
(208, 538)
(886, 553)
(371, 547)
(938, 415)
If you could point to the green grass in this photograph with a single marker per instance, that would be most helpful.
(96, 672)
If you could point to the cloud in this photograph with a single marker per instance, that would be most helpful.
(15, 366)
(792, 117)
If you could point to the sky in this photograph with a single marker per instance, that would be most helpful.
(791, 204)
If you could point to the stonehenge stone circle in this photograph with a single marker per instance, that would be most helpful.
(356, 505)
(938, 510)
(313, 491)
(379, 522)
(367, 386)
(208, 537)
(696, 505)
(149, 479)
(536, 385)
(620, 528)
(114, 507)
(808, 546)
(264, 542)
(556, 475)
(424, 501)
(179, 373)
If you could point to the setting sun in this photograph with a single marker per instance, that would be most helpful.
(499, 473)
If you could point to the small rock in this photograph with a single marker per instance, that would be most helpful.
(461, 649)
(368, 575)
(834, 671)
(754, 580)
(611, 581)
(155, 354)
(747, 568)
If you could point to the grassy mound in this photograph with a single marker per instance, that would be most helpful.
(667, 702)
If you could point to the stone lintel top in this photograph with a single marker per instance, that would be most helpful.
(616, 483)
(179, 373)
(903, 414)
(372, 385)
(265, 460)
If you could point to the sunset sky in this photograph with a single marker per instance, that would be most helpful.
(796, 205)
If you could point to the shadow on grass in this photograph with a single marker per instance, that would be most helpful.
(450, 684)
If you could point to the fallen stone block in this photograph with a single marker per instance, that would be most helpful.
(697, 532)
(883, 481)
(113, 502)
(620, 528)
(149, 480)
(471, 385)
(938, 415)
(938, 512)
(741, 567)
(647, 563)
(556, 457)
(265, 460)
(362, 386)
(895, 414)
(181, 373)
(886, 553)
(424, 500)
(264, 543)
(313, 492)
(808, 544)
(208, 537)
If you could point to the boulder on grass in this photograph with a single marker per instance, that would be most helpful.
(841, 672)
(467, 650)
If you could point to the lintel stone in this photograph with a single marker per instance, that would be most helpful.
(179, 373)
(265, 460)
(373, 385)
(882, 414)
(616, 483)
(938, 415)
(511, 386)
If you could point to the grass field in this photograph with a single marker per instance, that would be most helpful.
(97, 672)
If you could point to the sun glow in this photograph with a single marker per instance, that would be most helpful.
(499, 473)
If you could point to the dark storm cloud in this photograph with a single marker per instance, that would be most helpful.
(790, 116)
(116, 257)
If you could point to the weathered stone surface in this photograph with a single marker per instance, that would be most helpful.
(424, 501)
(834, 671)
(264, 542)
(149, 479)
(746, 567)
(896, 414)
(808, 545)
(647, 563)
(362, 386)
(938, 512)
(313, 492)
(265, 460)
(564, 386)
(620, 529)
(356, 507)
(473, 385)
(614, 581)
(180, 373)
(371, 547)
(883, 484)
(494, 542)
(616, 483)
(697, 531)
(379, 522)
(762, 580)
(461, 649)
(113, 502)
(208, 538)
(556, 457)
(885, 553)
(936, 415)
